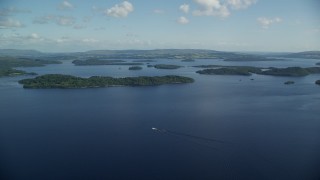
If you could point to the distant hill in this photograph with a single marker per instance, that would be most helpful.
(158, 54)
(17, 52)
(161, 53)
(154, 51)
(122, 54)
(305, 54)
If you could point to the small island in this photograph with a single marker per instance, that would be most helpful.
(14, 72)
(68, 81)
(94, 62)
(318, 63)
(166, 66)
(289, 82)
(317, 82)
(188, 60)
(224, 71)
(135, 68)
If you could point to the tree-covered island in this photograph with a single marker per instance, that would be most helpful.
(318, 82)
(228, 70)
(225, 71)
(188, 60)
(166, 66)
(14, 72)
(68, 81)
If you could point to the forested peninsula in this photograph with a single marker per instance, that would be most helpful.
(8, 65)
(247, 70)
(68, 81)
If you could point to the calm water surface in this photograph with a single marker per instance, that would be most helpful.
(269, 130)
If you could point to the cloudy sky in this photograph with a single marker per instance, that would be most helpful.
(228, 25)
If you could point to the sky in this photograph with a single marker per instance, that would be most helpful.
(224, 25)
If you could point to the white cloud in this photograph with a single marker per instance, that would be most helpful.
(220, 8)
(65, 20)
(184, 8)
(6, 20)
(17, 39)
(158, 11)
(211, 8)
(240, 4)
(79, 26)
(65, 5)
(12, 10)
(63, 44)
(89, 40)
(59, 20)
(182, 20)
(120, 10)
(10, 23)
(266, 22)
(208, 4)
(34, 36)
(44, 19)
(62, 39)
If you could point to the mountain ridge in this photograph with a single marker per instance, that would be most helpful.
(157, 53)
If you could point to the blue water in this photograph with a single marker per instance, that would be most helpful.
(269, 130)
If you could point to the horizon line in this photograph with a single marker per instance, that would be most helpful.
(245, 51)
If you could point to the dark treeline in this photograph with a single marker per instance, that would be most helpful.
(68, 81)
(166, 66)
(7, 65)
(247, 70)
